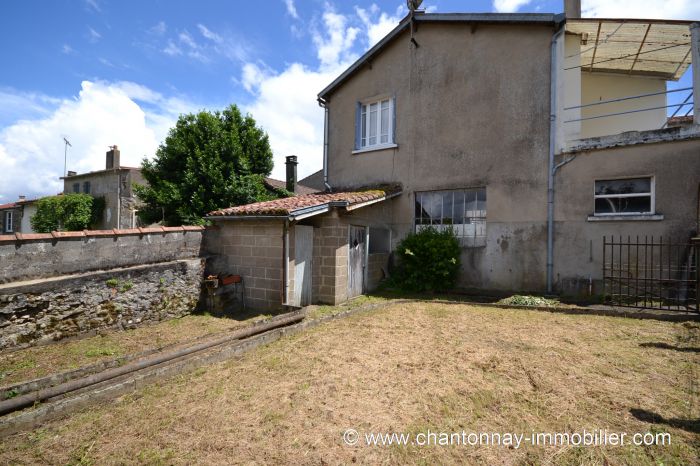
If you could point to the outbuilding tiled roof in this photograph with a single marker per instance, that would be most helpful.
(291, 205)
(11, 205)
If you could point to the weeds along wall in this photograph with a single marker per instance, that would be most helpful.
(65, 284)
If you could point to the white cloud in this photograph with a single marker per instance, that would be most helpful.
(334, 45)
(285, 102)
(209, 34)
(669, 9)
(92, 4)
(158, 29)
(509, 6)
(93, 36)
(130, 115)
(172, 49)
(67, 49)
(382, 25)
(291, 9)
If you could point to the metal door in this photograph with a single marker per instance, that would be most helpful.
(303, 248)
(356, 261)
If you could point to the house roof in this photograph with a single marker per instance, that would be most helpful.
(307, 205)
(99, 172)
(10, 205)
(648, 47)
(492, 18)
(298, 189)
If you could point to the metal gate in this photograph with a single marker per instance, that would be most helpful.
(649, 273)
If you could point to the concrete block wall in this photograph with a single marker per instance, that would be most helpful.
(252, 249)
(38, 255)
(377, 269)
(330, 264)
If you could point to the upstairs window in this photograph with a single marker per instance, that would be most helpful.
(86, 187)
(9, 219)
(375, 121)
(463, 210)
(629, 196)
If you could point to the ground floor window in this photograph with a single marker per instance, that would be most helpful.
(9, 219)
(463, 210)
(627, 196)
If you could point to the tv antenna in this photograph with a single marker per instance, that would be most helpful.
(65, 154)
(413, 5)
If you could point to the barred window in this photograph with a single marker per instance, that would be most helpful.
(463, 210)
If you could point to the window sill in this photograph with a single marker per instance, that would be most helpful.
(626, 218)
(374, 148)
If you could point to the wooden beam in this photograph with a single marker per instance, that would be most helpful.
(595, 47)
(641, 44)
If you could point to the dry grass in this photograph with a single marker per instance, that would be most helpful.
(406, 368)
(38, 361)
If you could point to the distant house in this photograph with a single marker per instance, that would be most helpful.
(115, 184)
(307, 185)
(15, 216)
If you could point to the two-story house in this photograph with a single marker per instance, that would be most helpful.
(115, 184)
(533, 136)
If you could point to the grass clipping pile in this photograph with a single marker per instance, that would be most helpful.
(406, 368)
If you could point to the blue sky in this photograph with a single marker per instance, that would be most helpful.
(105, 72)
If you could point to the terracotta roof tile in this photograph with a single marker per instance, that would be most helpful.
(286, 206)
(11, 205)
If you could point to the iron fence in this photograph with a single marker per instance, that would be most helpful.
(649, 273)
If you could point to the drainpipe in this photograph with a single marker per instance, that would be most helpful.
(285, 258)
(552, 148)
(324, 103)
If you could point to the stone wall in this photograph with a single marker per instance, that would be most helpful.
(29, 256)
(330, 259)
(377, 269)
(45, 310)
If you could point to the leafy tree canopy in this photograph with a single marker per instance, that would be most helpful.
(208, 161)
(67, 212)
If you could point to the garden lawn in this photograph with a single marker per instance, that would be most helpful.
(409, 368)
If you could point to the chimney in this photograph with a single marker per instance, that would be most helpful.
(112, 158)
(291, 164)
(22, 198)
(71, 173)
(572, 8)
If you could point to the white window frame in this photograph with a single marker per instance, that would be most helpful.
(477, 217)
(9, 221)
(651, 195)
(365, 118)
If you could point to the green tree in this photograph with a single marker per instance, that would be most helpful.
(67, 212)
(209, 161)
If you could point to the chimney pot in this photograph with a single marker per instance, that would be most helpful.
(572, 8)
(291, 163)
(22, 198)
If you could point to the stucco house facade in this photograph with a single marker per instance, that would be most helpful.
(505, 128)
(15, 217)
(114, 183)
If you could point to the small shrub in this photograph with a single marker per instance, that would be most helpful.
(67, 212)
(127, 285)
(112, 283)
(429, 261)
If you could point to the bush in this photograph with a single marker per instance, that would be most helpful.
(67, 212)
(429, 261)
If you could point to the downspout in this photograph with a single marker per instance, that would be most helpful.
(552, 148)
(323, 103)
(119, 199)
(285, 259)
